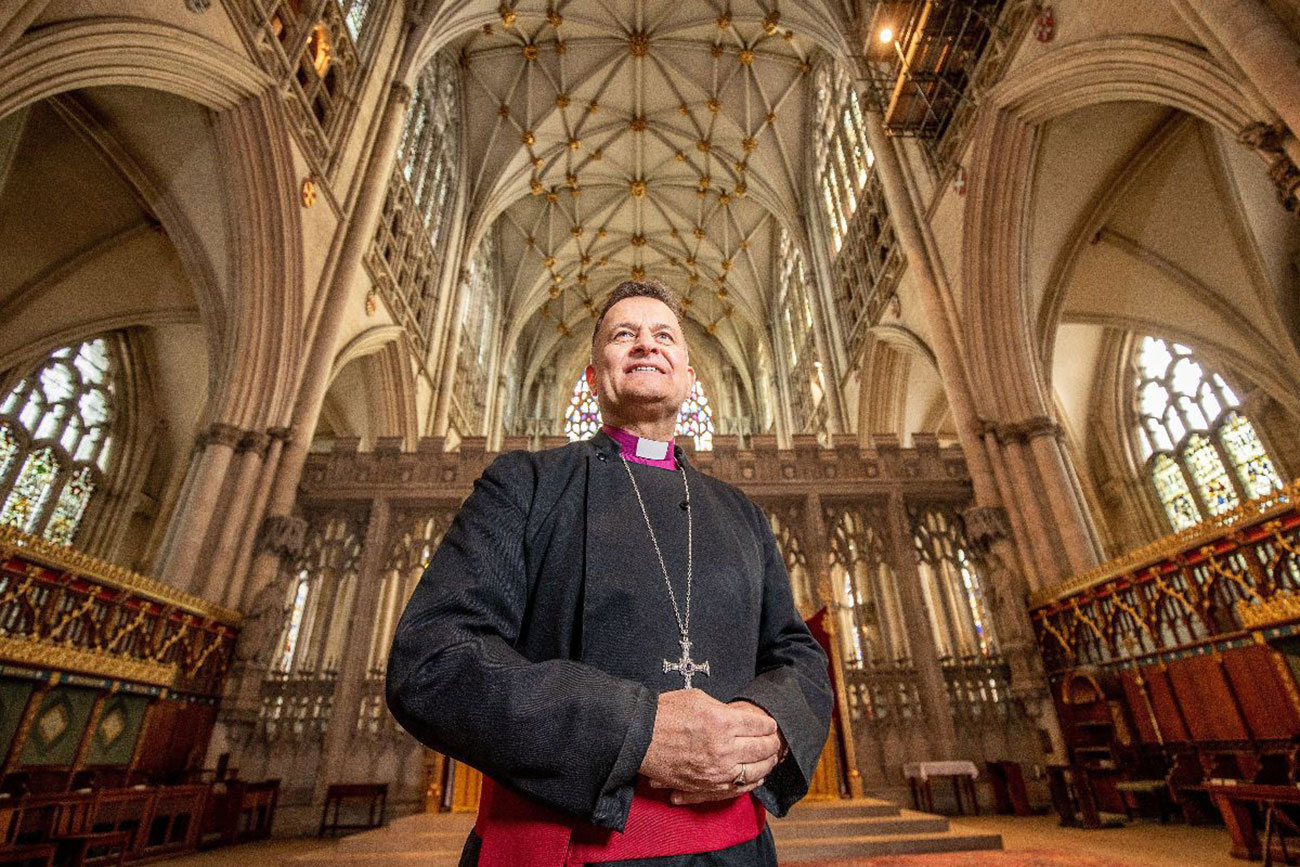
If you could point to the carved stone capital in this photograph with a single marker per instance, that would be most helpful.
(283, 535)
(1262, 136)
(986, 525)
(1023, 431)
(401, 94)
(220, 434)
(283, 434)
(254, 441)
(1271, 140)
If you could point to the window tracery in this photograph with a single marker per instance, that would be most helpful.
(320, 595)
(695, 419)
(795, 331)
(866, 260)
(414, 537)
(1202, 453)
(56, 440)
(954, 591)
(409, 248)
(868, 607)
(315, 44)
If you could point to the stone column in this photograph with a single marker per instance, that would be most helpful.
(447, 370)
(238, 500)
(1034, 552)
(498, 431)
(352, 673)
(360, 233)
(1073, 523)
(193, 517)
(234, 597)
(1252, 35)
(988, 534)
(814, 538)
(931, 684)
(943, 336)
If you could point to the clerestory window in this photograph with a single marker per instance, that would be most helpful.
(56, 440)
(1202, 453)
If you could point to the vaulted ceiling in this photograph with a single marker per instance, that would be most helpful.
(609, 140)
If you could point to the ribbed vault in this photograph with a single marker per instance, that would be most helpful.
(616, 140)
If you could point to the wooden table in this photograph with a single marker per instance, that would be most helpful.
(373, 795)
(962, 773)
(1234, 802)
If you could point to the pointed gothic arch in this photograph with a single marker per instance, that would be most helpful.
(1008, 378)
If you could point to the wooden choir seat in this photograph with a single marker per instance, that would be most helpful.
(114, 825)
(175, 819)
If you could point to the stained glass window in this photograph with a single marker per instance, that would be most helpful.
(695, 420)
(1175, 495)
(71, 505)
(1211, 476)
(356, 14)
(1249, 459)
(56, 440)
(1203, 454)
(8, 451)
(297, 608)
(582, 418)
(26, 500)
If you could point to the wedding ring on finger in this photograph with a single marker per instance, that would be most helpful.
(740, 780)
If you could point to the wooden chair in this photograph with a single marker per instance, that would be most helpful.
(125, 812)
(257, 809)
(175, 819)
(13, 853)
(64, 819)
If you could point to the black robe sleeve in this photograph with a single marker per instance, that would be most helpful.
(561, 731)
(792, 684)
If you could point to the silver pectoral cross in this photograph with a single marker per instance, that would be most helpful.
(687, 666)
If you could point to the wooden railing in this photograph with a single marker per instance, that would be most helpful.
(1237, 572)
(61, 610)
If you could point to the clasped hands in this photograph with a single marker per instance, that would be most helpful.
(700, 744)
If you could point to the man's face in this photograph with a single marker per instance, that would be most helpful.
(640, 369)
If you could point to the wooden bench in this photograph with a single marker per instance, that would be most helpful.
(373, 795)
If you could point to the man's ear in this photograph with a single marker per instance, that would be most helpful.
(591, 379)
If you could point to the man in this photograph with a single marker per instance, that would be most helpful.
(611, 638)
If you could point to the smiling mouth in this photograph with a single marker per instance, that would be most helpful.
(644, 368)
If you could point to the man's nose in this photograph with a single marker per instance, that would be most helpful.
(645, 343)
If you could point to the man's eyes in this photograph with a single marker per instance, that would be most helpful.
(662, 336)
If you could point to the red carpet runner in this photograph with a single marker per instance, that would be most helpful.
(1037, 858)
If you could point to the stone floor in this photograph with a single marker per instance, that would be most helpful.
(1141, 844)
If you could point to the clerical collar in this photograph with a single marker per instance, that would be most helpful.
(640, 450)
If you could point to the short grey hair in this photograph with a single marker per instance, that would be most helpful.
(639, 289)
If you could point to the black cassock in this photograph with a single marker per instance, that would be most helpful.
(533, 646)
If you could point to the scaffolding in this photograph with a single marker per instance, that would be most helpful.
(922, 57)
